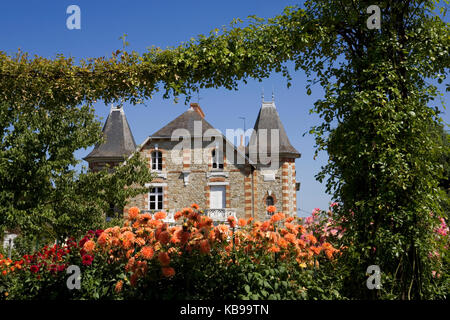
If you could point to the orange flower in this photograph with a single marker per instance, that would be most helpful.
(133, 213)
(329, 253)
(147, 252)
(89, 246)
(195, 206)
(271, 209)
(4, 272)
(204, 246)
(177, 215)
(316, 250)
(231, 221)
(186, 211)
(274, 249)
(168, 271)
(119, 286)
(242, 222)
(164, 237)
(160, 215)
(311, 238)
(164, 258)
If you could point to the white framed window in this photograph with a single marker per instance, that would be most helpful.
(155, 198)
(157, 160)
(217, 159)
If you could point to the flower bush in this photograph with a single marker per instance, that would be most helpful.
(146, 258)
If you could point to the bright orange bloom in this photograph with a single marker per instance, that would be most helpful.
(187, 211)
(177, 215)
(204, 246)
(311, 238)
(301, 243)
(89, 246)
(316, 250)
(102, 239)
(164, 258)
(147, 252)
(274, 249)
(119, 286)
(133, 213)
(271, 209)
(160, 215)
(195, 206)
(289, 219)
(168, 271)
(329, 253)
(4, 272)
(231, 221)
(242, 222)
(290, 237)
(12, 269)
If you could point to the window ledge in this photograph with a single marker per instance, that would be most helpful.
(217, 173)
(160, 174)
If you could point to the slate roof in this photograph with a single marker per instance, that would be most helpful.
(268, 118)
(184, 121)
(119, 141)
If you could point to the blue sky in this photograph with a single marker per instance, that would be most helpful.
(39, 27)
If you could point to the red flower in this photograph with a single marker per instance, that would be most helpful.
(34, 268)
(87, 260)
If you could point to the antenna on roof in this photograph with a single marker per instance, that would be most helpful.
(262, 94)
(273, 94)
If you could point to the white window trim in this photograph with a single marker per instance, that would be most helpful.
(156, 194)
(226, 183)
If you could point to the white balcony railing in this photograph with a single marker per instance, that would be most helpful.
(217, 215)
(220, 215)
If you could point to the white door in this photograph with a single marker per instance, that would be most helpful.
(217, 197)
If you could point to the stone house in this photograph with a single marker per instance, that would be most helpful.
(195, 163)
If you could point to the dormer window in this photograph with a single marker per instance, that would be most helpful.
(217, 160)
(157, 160)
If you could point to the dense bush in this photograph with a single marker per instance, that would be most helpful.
(281, 258)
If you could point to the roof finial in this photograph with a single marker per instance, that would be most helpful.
(262, 94)
(273, 94)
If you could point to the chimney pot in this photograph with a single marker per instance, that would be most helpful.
(197, 109)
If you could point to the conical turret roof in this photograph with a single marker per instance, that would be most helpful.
(119, 141)
(269, 119)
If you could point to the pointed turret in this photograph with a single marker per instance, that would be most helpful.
(269, 119)
(118, 140)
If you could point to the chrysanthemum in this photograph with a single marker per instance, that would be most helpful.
(242, 222)
(195, 206)
(177, 215)
(231, 221)
(147, 252)
(160, 215)
(271, 209)
(133, 213)
(89, 246)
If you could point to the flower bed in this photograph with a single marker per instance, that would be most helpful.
(147, 258)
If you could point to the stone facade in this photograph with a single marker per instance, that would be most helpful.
(185, 173)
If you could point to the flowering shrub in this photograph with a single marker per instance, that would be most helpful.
(147, 258)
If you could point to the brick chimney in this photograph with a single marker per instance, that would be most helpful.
(197, 109)
(241, 147)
